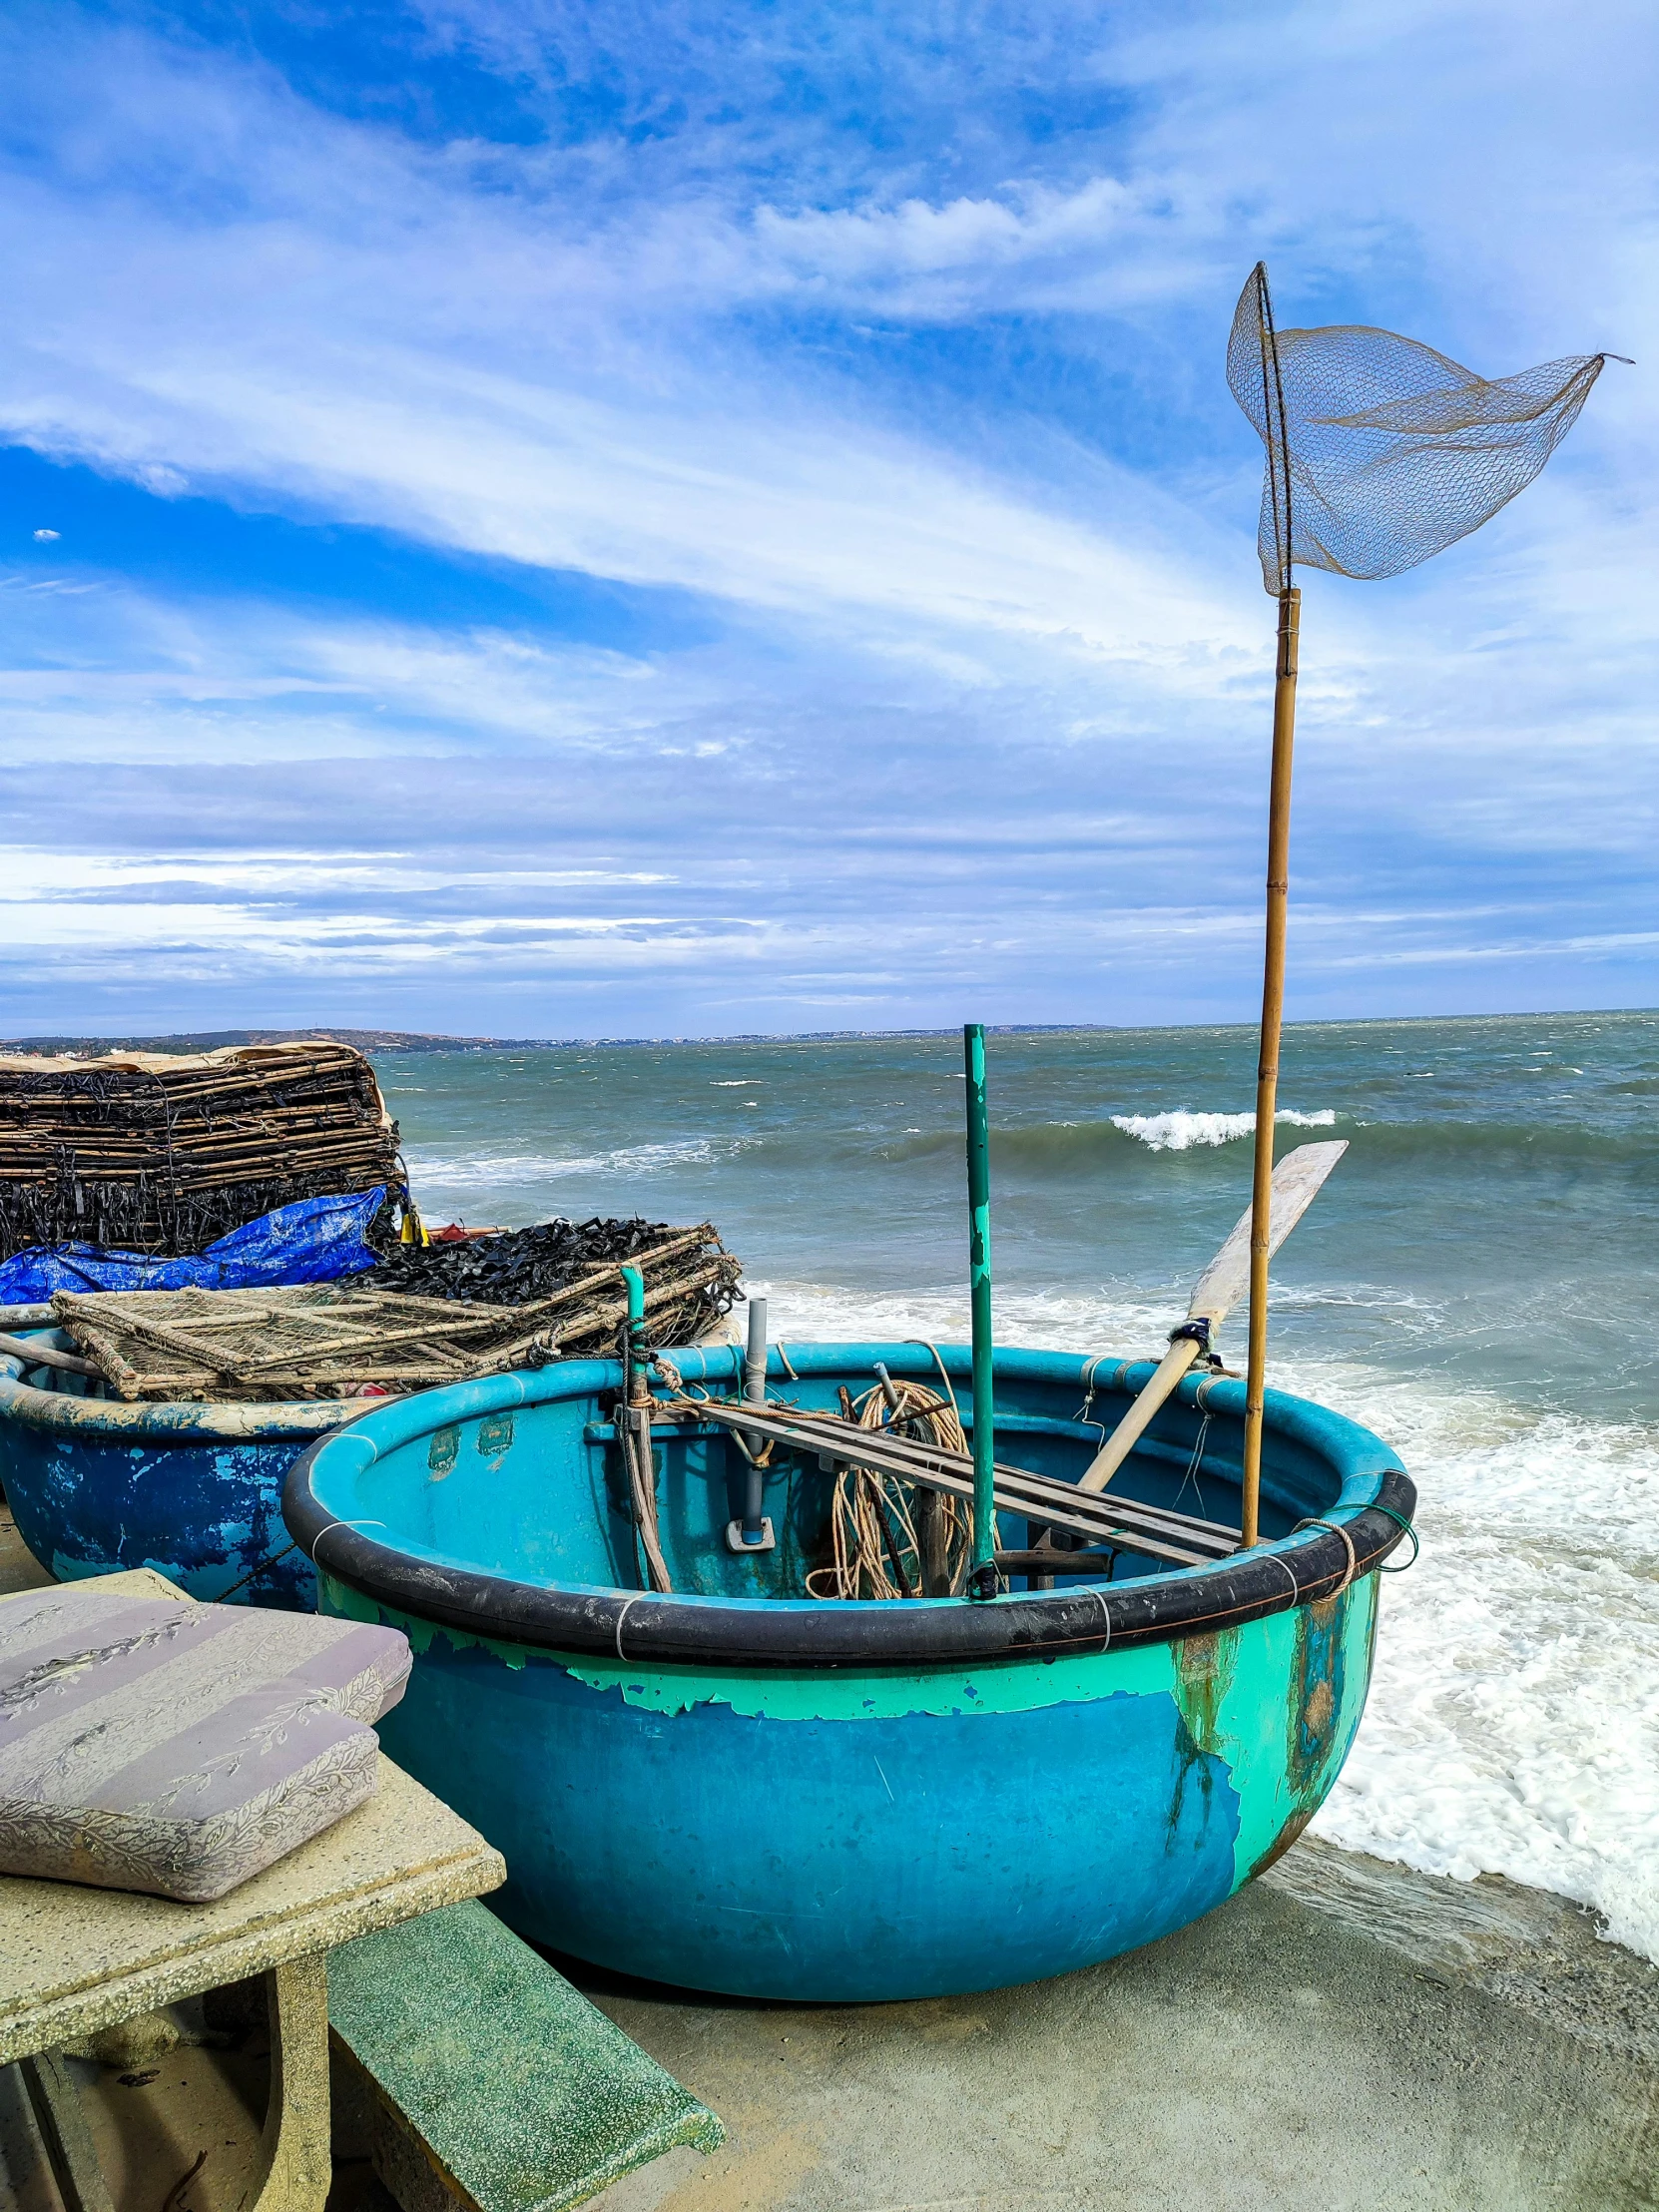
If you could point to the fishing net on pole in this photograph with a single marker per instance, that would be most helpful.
(1380, 450)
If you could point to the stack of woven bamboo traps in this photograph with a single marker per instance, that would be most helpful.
(162, 1151)
(350, 1339)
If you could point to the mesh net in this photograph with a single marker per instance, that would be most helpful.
(330, 1339)
(1380, 451)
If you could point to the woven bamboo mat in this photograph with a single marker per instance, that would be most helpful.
(350, 1339)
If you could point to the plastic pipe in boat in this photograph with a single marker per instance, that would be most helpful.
(754, 1533)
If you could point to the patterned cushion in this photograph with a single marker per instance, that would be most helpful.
(161, 1745)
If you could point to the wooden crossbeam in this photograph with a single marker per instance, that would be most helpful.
(1160, 1534)
(1050, 1489)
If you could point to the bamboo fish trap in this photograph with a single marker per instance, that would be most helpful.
(162, 1151)
(345, 1339)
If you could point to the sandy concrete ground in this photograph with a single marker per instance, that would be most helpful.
(1342, 2035)
(19, 1570)
(1345, 2034)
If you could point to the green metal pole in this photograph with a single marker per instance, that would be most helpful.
(983, 1578)
(639, 1363)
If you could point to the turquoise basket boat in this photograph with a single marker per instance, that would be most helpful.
(737, 1788)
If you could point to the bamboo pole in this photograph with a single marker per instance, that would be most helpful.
(982, 1577)
(1267, 1070)
(634, 1429)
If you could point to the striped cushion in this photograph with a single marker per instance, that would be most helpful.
(157, 1744)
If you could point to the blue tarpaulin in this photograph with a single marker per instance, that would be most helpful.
(314, 1240)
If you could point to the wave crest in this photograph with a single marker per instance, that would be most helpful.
(494, 1170)
(1179, 1130)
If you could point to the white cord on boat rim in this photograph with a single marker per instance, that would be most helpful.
(621, 1621)
(1336, 1529)
(1091, 1376)
(1278, 1559)
(1099, 1591)
(333, 1524)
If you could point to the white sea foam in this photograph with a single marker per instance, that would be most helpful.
(1179, 1131)
(1514, 1721)
(439, 1174)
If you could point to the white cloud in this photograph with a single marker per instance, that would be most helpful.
(942, 614)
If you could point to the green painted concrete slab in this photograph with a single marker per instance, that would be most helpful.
(527, 2098)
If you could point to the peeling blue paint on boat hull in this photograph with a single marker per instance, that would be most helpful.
(205, 1518)
(831, 1860)
(97, 1486)
(837, 1840)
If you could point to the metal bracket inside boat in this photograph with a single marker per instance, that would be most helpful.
(735, 1540)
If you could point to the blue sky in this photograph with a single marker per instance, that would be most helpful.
(555, 520)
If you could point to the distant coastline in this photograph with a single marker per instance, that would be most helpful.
(424, 1040)
(420, 1041)
(212, 1040)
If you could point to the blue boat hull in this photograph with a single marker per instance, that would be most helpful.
(194, 1492)
(895, 1853)
(838, 1832)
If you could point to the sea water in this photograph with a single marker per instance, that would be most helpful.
(1477, 1282)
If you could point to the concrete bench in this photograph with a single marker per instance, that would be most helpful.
(492, 2083)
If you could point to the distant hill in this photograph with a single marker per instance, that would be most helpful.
(209, 1040)
(423, 1040)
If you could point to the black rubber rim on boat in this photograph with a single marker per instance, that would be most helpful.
(652, 1630)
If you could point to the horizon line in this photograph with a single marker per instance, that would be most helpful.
(368, 1037)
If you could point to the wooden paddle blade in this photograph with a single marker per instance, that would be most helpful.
(1296, 1184)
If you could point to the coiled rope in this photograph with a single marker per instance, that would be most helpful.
(878, 1553)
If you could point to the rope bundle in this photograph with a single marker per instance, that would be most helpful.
(879, 1552)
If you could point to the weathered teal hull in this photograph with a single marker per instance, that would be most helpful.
(806, 1824)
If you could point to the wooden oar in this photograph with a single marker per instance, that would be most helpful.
(44, 1356)
(1296, 1183)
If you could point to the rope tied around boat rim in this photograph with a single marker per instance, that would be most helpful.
(272, 1557)
(1336, 1528)
(1084, 1415)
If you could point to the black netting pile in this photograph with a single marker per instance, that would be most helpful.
(518, 1264)
(690, 1280)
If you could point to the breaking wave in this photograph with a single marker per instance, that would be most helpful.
(1180, 1131)
(503, 1171)
(1061, 1147)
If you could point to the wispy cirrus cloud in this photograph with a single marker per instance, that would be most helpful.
(812, 427)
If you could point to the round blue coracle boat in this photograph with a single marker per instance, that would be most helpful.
(97, 1485)
(736, 1786)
